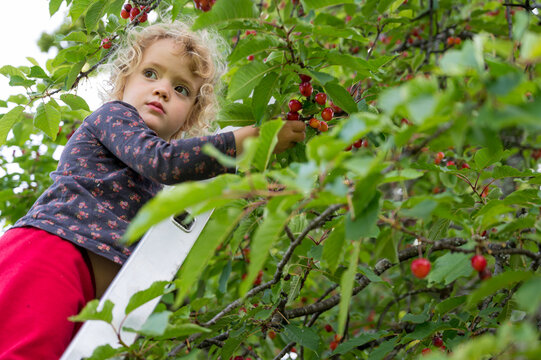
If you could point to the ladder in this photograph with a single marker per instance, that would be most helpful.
(148, 263)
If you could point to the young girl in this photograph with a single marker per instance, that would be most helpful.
(66, 250)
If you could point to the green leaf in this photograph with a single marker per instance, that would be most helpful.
(91, 312)
(530, 50)
(54, 5)
(173, 201)
(104, 352)
(317, 4)
(340, 97)
(334, 245)
(365, 223)
(16, 80)
(416, 318)
(383, 349)
(262, 94)
(94, 14)
(449, 267)
(402, 175)
(266, 234)
(142, 297)
(357, 341)
(266, 142)
(346, 287)
(305, 336)
(182, 330)
(222, 158)
(78, 8)
(485, 157)
(38, 72)
(447, 305)
(501, 281)
(8, 70)
(245, 79)
(72, 75)
(155, 324)
(252, 46)
(74, 102)
(528, 297)
(224, 11)
(76, 36)
(8, 120)
(222, 222)
(235, 114)
(294, 290)
(47, 119)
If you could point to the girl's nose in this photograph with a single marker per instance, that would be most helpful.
(162, 91)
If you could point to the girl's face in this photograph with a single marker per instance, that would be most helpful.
(162, 88)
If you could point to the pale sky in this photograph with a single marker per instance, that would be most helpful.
(21, 26)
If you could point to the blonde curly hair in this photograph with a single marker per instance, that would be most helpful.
(206, 51)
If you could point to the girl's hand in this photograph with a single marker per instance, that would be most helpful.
(290, 133)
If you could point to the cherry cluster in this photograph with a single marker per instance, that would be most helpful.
(453, 41)
(441, 155)
(204, 5)
(131, 12)
(306, 90)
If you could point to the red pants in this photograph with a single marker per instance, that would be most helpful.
(43, 280)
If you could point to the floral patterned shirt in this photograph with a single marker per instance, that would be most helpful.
(112, 165)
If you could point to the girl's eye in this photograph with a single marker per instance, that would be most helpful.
(150, 74)
(182, 90)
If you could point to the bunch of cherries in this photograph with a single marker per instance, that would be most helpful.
(204, 5)
(306, 90)
(131, 12)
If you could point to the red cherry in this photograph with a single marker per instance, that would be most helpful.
(294, 105)
(358, 143)
(536, 154)
(134, 12)
(478, 262)
(349, 148)
(450, 163)
(450, 41)
(335, 108)
(293, 115)
(465, 166)
(327, 114)
(314, 123)
(106, 43)
(437, 341)
(485, 274)
(305, 78)
(143, 18)
(293, 350)
(420, 267)
(426, 351)
(127, 7)
(323, 126)
(271, 334)
(321, 98)
(457, 41)
(124, 14)
(306, 89)
(250, 57)
(328, 328)
(333, 345)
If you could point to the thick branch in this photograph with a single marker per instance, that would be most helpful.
(381, 266)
